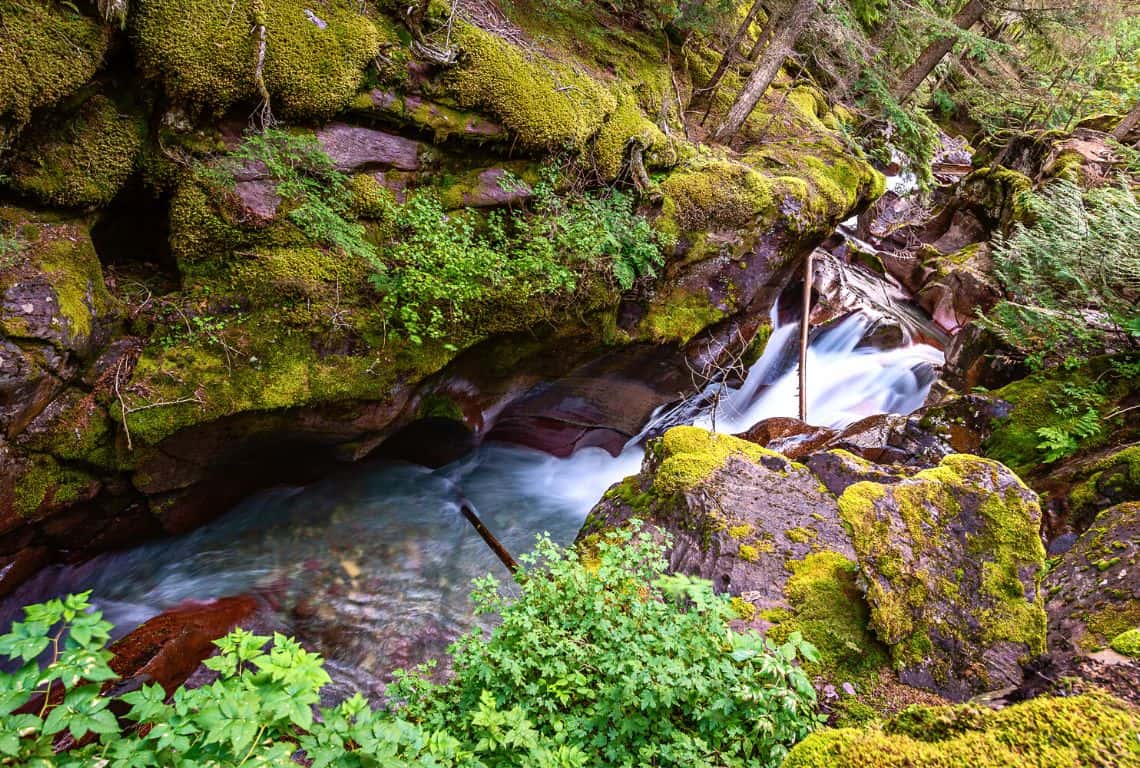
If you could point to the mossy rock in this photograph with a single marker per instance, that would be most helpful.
(740, 514)
(204, 52)
(678, 316)
(48, 50)
(1094, 589)
(712, 192)
(545, 104)
(79, 158)
(827, 607)
(52, 289)
(1047, 732)
(43, 485)
(628, 123)
(952, 558)
(1111, 480)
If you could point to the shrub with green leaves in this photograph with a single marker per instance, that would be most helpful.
(607, 662)
(1071, 274)
(444, 273)
(623, 664)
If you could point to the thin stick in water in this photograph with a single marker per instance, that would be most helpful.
(492, 542)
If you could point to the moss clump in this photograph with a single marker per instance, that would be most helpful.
(627, 123)
(714, 192)
(80, 159)
(1116, 477)
(1127, 643)
(546, 105)
(204, 52)
(749, 553)
(800, 535)
(828, 608)
(1046, 732)
(690, 454)
(48, 50)
(1014, 441)
(680, 316)
(743, 609)
(47, 483)
(297, 272)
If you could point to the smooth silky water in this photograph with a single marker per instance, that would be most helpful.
(373, 566)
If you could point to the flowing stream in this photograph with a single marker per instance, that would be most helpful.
(373, 565)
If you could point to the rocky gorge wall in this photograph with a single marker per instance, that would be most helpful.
(170, 345)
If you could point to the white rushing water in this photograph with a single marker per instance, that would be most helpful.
(373, 566)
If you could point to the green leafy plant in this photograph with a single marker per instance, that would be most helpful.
(318, 195)
(627, 665)
(444, 272)
(1071, 274)
(1080, 421)
(603, 662)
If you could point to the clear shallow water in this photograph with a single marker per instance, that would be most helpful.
(373, 566)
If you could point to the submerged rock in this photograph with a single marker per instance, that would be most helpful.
(952, 559)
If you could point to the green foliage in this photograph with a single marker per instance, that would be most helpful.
(623, 664)
(443, 272)
(1071, 275)
(320, 196)
(614, 664)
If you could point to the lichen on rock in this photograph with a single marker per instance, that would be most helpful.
(952, 558)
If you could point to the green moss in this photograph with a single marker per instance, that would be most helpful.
(1127, 643)
(546, 105)
(742, 531)
(691, 454)
(440, 407)
(1114, 477)
(680, 316)
(749, 553)
(743, 609)
(827, 606)
(79, 158)
(1110, 621)
(626, 123)
(45, 482)
(47, 51)
(62, 253)
(715, 192)
(204, 52)
(1045, 732)
(1014, 440)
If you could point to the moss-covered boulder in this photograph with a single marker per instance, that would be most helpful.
(47, 51)
(952, 558)
(81, 157)
(739, 513)
(545, 104)
(51, 287)
(205, 52)
(766, 531)
(1093, 591)
(1089, 730)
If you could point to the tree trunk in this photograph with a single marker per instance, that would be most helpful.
(730, 52)
(766, 69)
(937, 50)
(1128, 124)
(774, 19)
